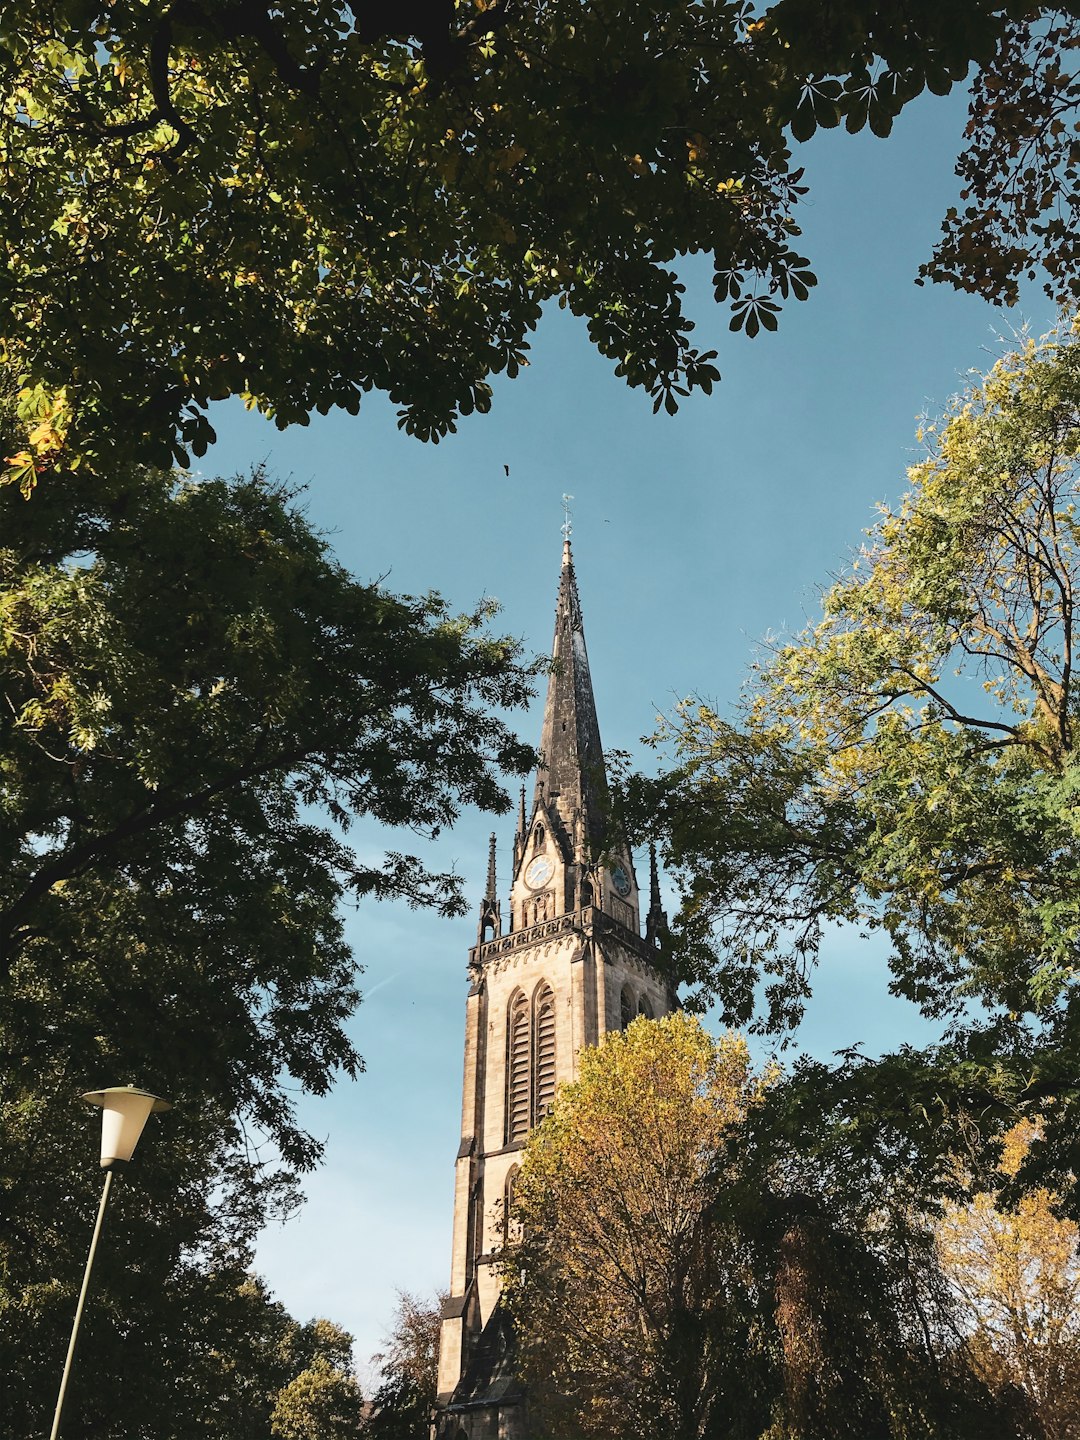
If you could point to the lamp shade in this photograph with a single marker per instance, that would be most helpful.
(124, 1112)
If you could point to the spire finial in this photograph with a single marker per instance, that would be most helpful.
(491, 869)
(521, 814)
(567, 527)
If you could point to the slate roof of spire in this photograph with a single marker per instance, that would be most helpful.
(572, 774)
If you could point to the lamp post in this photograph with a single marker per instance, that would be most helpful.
(124, 1112)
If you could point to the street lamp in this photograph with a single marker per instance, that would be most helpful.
(124, 1112)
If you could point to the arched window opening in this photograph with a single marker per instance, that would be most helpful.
(510, 1230)
(538, 837)
(517, 1070)
(544, 1031)
(644, 1008)
(586, 894)
(539, 908)
(626, 1007)
(476, 1248)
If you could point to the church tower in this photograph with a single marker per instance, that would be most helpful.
(570, 964)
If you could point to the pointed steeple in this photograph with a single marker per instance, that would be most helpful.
(490, 925)
(656, 920)
(572, 780)
(522, 831)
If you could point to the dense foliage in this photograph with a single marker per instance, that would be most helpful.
(302, 202)
(187, 675)
(687, 1266)
(186, 679)
(617, 1285)
(1017, 1273)
(178, 1340)
(908, 765)
(402, 1404)
(322, 1401)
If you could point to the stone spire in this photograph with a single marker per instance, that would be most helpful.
(656, 920)
(571, 780)
(522, 831)
(490, 926)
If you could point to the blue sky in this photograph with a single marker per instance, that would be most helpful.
(694, 537)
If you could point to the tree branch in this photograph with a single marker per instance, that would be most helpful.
(139, 822)
(160, 46)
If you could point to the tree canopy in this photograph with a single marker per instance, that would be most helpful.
(1017, 1274)
(198, 701)
(300, 203)
(322, 1401)
(402, 1405)
(687, 1265)
(616, 1277)
(908, 765)
(178, 1338)
(185, 680)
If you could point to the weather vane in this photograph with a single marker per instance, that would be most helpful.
(567, 528)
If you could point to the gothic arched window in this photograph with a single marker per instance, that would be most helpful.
(544, 1052)
(644, 1008)
(476, 1248)
(517, 1069)
(530, 1061)
(626, 1007)
(538, 838)
(509, 1229)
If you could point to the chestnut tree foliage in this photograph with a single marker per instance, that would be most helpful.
(302, 202)
(908, 764)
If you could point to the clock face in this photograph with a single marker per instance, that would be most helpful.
(621, 880)
(538, 872)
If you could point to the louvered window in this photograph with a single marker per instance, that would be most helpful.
(517, 1070)
(544, 1029)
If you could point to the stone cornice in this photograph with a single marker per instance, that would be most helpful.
(587, 922)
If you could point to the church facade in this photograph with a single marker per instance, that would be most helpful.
(569, 964)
